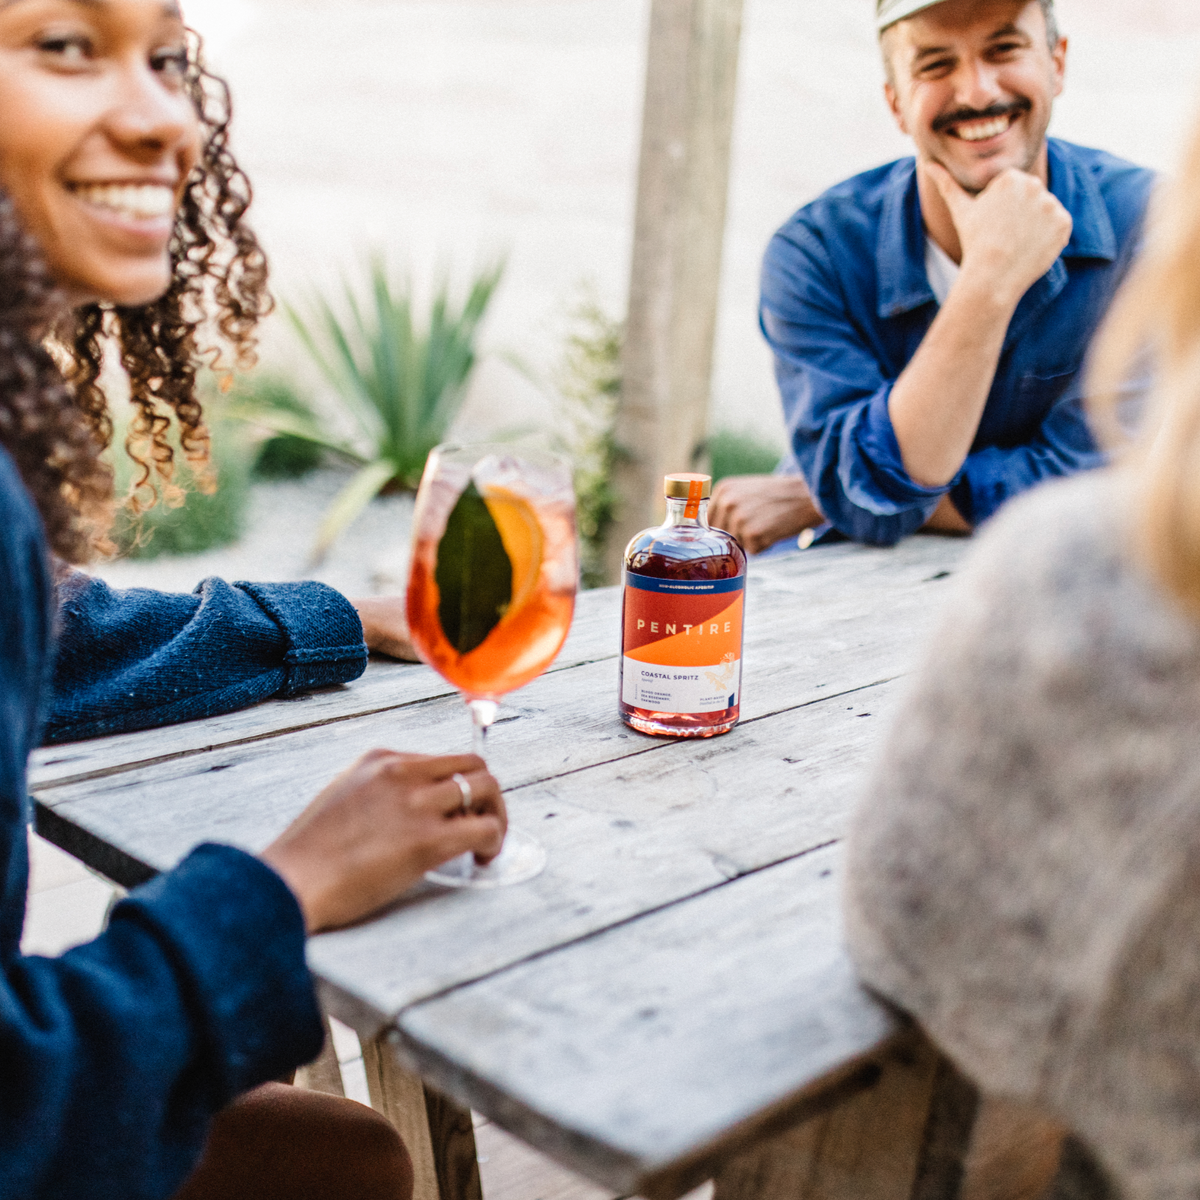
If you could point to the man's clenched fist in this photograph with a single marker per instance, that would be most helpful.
(760, 510)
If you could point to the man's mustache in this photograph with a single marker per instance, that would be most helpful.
(1015, 109)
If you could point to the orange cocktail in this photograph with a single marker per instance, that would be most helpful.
(534, 518)
(539, 537)
(491, 593)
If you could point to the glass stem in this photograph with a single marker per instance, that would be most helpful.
(483, 713)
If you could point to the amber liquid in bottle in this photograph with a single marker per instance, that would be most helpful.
(697, 655)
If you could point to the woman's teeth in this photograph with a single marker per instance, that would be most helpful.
(980, 131)
(141, 201)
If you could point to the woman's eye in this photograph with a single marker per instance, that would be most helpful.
(68, 49)
(170, 62)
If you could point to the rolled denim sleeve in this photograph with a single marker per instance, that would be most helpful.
(134, 659)
(994, 475)
(835, 399)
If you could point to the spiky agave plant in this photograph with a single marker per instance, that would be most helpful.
(401, 381)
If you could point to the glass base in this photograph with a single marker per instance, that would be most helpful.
(521, 859)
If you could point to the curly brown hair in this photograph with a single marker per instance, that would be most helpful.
(54, 417)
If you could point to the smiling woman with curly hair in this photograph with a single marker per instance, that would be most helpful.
(132, 1059)
(219, 277)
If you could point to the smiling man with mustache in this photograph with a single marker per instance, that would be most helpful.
(930, 318)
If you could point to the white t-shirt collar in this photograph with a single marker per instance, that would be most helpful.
(941, 269)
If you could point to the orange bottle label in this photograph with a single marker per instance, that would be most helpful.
(682, 644)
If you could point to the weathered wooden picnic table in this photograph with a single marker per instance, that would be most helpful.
(670, 1000)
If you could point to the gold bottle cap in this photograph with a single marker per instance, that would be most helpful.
(679, 487)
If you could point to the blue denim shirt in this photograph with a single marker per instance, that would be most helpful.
(114, 1056)
(846, 302)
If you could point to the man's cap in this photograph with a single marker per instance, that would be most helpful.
(888, 12)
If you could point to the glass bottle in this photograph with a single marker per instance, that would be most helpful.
(681, 621)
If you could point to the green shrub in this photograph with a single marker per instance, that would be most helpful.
(283, 455)
(589, 383)
(201, 522)
(286, 457)
(400, 381)
(739, 454)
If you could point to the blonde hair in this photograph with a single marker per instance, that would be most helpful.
(1154, 324)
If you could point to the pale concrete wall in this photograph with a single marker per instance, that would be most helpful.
(448, 130)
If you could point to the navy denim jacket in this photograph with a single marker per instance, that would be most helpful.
(846, 302)
(114, 1056)
(136, 659)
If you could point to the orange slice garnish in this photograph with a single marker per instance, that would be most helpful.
(521, 533)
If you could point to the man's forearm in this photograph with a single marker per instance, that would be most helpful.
(938, 401)
(1009, 235)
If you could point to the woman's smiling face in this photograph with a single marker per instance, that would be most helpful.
(98, 137)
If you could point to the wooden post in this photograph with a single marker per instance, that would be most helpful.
(438, 1133)
(400, 1096)
(905, 1138)
(683, 183)
(323, 1074)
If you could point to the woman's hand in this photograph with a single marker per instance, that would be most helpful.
(378, 827)
(385, 626)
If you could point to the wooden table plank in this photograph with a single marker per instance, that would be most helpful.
(647, 1054)
(831, 581)
(563, 722)
(385, 687)
(827, 653)
(623, 838)
(631, 823)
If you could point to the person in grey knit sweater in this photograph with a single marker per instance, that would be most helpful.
(1024, 869)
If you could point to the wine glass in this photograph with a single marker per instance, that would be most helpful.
(491, 593)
